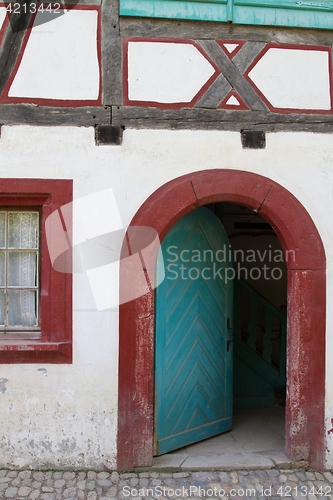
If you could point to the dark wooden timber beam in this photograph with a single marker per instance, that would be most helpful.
(30, 114)
(12, 43)
(178, 119)
(218, 119)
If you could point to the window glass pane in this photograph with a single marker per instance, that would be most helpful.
(2, 307)
(2, 270)
(22, 269)
(23, 230)
(22, 308)
(2, 229)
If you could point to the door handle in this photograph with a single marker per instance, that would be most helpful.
(229, 328)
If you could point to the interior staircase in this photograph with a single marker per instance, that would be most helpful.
(259, 349)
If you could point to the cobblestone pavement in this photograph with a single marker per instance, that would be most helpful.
(250, 485)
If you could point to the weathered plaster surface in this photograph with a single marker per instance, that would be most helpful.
(57, 416)
(3, 13)
(292, 78)
(60, 60)
(166, 72)
(65, 415)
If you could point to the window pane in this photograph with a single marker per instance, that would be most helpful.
(22, 308)
(2, 307)
(2, 229)
(2, 270)
(22, 269)
(23, 230)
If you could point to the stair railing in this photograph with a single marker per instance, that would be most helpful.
(262, 347)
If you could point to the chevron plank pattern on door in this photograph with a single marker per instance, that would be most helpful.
(193, 370)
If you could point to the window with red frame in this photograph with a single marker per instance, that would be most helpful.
(35, 299)
(19, 274)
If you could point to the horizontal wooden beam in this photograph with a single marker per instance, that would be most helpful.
(153, 118)
(28, 114)
(178, 28)
(218, 119)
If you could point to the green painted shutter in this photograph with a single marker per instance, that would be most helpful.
(212, 10)
(298, 13)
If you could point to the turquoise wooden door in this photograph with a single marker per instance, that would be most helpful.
(193, 352)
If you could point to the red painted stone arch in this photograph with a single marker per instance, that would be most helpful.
(306, 312)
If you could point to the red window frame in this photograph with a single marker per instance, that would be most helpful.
(55, 344)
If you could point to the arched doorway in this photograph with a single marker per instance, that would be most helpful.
(306, 312)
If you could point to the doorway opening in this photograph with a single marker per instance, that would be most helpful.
(191, 396)
(260, 307)
(306, 311)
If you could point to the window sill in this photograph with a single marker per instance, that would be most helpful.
(18, 351)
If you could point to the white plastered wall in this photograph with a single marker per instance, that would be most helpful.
(66, 416)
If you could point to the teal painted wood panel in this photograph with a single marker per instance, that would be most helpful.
(212, 10)
(193, 370)
(306, 14)
(303, 14)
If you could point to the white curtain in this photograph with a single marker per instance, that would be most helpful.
(22, 269)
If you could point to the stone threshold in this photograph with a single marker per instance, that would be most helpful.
(178, 462)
